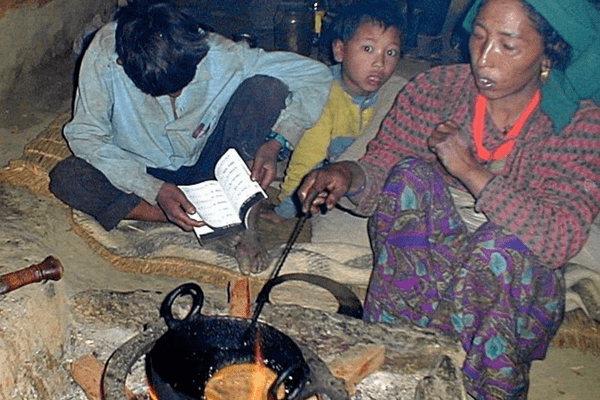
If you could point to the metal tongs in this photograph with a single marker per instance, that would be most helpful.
(321, 380)
(261, 300)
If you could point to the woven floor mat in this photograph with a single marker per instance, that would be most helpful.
(162, 248)
(39, 157)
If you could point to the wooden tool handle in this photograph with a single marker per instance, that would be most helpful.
(50, 268)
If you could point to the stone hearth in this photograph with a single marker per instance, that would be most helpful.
(45, 327)
(101, 321)
(60, 329)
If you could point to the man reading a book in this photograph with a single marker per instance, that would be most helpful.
(160, 99)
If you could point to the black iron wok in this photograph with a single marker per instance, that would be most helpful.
(183, 355)
(194, 348)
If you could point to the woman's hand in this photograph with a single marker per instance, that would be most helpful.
(455, 154)
(177, 207)
(327, 185)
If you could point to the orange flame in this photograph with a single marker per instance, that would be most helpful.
(247, 381)
(151, 394)
(258, 384)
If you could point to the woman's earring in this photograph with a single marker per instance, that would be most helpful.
(544, 74)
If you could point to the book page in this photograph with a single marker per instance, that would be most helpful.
(233, 174)
(201, 230)
(211, 203)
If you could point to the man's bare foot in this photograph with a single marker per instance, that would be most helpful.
(267, 212)
(250, 252)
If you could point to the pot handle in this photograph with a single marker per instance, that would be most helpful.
(166, 308)
(349, 304)
(272, 393)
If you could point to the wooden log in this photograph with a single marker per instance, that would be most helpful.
(87, 372)
(356, 363)
(239, 298)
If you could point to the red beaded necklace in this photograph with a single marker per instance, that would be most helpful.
(509, 139)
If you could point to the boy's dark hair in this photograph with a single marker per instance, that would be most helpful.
(159, 45)
(343, 21)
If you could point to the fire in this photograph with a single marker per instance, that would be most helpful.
(247, 381)
(263, 379)
(152, 395)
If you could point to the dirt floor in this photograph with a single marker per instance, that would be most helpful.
(564, 374)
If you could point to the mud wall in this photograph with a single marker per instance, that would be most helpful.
(34, 338)
(33, 32)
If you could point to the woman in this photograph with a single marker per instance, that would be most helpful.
(490, 132)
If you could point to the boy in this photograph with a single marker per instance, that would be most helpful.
(365, 41)
(159, 101)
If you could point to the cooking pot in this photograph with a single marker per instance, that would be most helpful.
(182, 354)
(194, 348)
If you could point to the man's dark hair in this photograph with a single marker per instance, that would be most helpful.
(343, 21)
(159, 45)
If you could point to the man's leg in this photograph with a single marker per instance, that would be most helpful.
(456, 13)
(83, 187)
(245, 124)
(251, 112)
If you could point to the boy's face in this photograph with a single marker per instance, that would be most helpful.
(369, 58)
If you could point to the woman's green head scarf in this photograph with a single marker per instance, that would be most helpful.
(578, 22)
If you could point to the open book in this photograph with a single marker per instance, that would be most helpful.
(224, 204)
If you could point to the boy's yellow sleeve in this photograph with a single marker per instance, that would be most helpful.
(310, 151)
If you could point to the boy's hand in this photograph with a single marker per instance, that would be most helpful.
(177, 207)
(264, 165)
